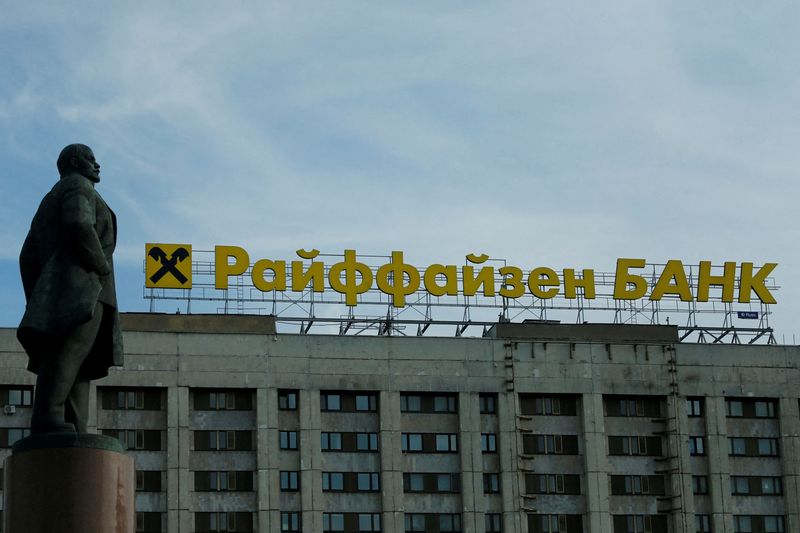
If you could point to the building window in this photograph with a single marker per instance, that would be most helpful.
(488, 403)
(636, 485)
(214, 481)
(411, 442)
(368, 481)
(702, 523)
(756, 485)
(290, 481)
(494, 523)
(331, 402)
(147, 522)
(428, 403)
(17, 396)
(287, 401)
(491, 483)
(369, 522)
(697, 446)
(767, 447)
(332, 522)
(753, 447)
(367, 402)
(550, 444)
(700, 484)
(634, 445)
(332, 481)
(773, 524)
(136, 439)
(771, 486)
(288, 440)
(488, 443)
(632, 406)
(737, 446)
(223, 521)
(366, 442)
(222, 399)
(290, 522)
(553, 484)
(222, 440)
(446, 442)
(8, 436)
(148, 481)
(349, 442)
(149, 399)
(551, 405)
(751, 408)
(694, 407)
(555, 523)
(431, 482)
(331, 441)
(742, 524)
(640, 523)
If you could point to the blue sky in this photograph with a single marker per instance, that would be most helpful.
(561, 134)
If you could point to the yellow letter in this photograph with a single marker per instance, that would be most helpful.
(223, 268)
(672, 271)
(350, 287)
(450, 274)
(396, 270)
(543, 277)
(484, 279)
(512, 286)
(315, 273)
(622, 278)
(727, 280)
(756, 283)
(278, 268)
(587, 282)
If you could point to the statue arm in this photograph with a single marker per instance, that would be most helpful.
(78, 218)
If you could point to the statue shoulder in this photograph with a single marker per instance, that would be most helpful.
(74, 183)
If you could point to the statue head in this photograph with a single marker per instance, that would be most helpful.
(78, 159)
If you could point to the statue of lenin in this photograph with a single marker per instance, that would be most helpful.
(70, 329)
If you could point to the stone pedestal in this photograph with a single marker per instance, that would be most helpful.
(69, 483)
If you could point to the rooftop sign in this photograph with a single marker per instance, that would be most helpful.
(168, 266)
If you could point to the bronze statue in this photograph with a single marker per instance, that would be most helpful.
(70, 329)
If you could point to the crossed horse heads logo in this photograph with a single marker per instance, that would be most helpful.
(169, 263)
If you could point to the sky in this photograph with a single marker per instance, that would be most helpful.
(559, 134)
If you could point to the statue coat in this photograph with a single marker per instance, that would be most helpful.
(67, 268)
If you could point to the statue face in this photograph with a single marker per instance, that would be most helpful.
(86, 165)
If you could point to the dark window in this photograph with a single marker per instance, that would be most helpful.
(8, 436)
(223, 521)
(148, 481)
(290, 481)
(697, 446)
(348, 442)
(136, 439)
(555, 523)
(756, 485)
(550, 405)
(635, 485)
(223, 440)
(630, 406)
(751, 408)
(758, 524)
(488, 442)
(222, 399)
(694, 407)
(348, 401)
(702, 523)
(351, 482)
(488, 403)
(148, 399)
(288, 440)
(640, 523)
(429, 442)
(431, 482)
(491, 483)
(287, 401)
(414, 402)
(17, 396)
(552, 484)
(634, 445)
(494, 523)
(147, 522)
(753, 447)
(332, 522)
(550, 444)
(700, 484)
(213, 481)
(290, 522)
(432, 522)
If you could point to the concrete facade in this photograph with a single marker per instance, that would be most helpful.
(538, 427)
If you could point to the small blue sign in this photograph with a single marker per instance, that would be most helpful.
(747, 315)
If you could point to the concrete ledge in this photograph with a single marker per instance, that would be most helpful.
(612, 333)
(67, 439)
(166, 323)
